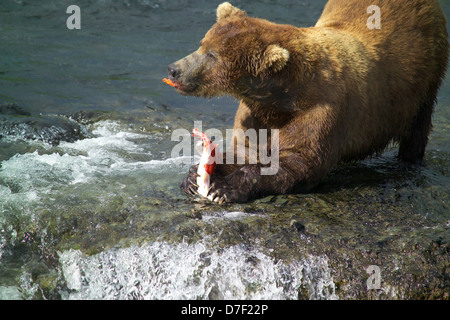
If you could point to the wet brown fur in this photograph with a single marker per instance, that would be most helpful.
(342, 92)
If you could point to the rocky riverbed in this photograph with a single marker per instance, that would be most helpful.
(101, 218)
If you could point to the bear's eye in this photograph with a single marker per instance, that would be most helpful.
(211, 54)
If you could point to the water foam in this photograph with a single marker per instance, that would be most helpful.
(32, 180)
(10, 293)
(192, 271)
(26, 176)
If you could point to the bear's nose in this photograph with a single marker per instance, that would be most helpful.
(174, 72)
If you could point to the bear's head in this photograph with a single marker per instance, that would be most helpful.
(240, 56)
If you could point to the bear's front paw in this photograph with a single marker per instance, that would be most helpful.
(189, 184)
(221, 191)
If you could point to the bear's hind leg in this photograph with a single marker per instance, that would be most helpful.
(413, 144)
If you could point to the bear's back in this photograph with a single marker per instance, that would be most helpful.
(397, 17)
(411, 43)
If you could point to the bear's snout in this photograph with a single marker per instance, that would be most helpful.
(188, 74)
(174, 72)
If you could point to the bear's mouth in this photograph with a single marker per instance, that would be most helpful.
(184, 89)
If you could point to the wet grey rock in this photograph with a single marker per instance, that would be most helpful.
(52, 129)
(88, 116)
(13, 109)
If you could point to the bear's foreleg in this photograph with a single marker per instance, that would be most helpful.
(247, 183)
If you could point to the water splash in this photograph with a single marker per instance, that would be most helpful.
(192, 271)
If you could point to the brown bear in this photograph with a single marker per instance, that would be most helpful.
(341, 90)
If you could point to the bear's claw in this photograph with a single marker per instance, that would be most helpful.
(189, 184)
(222, 192)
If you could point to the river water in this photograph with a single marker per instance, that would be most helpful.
(89, 201)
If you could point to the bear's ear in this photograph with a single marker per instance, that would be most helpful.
(274, 58)
(226, 10)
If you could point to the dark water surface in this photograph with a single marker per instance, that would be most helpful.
(89, 201)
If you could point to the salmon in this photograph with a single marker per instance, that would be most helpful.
(207, 164)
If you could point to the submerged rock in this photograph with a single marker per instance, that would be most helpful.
(52, 129)
(13, 109)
